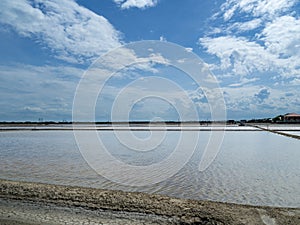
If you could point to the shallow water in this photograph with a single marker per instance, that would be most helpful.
(252, 167)
(297, 133)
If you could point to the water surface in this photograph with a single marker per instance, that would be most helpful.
(252, 167)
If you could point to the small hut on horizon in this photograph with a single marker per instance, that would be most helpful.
(291, 118)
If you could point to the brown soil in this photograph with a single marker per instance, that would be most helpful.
(24, 203)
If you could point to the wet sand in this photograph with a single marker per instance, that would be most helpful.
(34, 203)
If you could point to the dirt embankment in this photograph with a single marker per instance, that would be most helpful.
(24, 203)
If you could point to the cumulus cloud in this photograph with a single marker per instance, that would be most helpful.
(239, 54)
(142, 4)
(282, 36)
(252, 101)
(256, 37)
(72, 32)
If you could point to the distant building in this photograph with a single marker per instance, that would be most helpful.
(291, 118)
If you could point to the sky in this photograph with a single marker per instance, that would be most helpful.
(252, 47)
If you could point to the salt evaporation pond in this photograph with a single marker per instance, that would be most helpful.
(252, 167)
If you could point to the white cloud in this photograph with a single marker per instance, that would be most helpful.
(257, 37)
(272, 7)
(72, 32)
(125, 59)
(256, 8)
(142, 4)
(239, 54)
(189, 49)
(260, 101)
(229, 12)
(146, 100)
(259, 43)
(243, 82)
(295, 82)
(282, 36)
(30, 92)
(162, 38)
(33, 109)
(246, 26)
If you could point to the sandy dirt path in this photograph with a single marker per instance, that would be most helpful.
(34, 203)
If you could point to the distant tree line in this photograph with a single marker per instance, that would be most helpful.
(277, 119)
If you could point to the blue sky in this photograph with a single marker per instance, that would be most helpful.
(251, 46)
